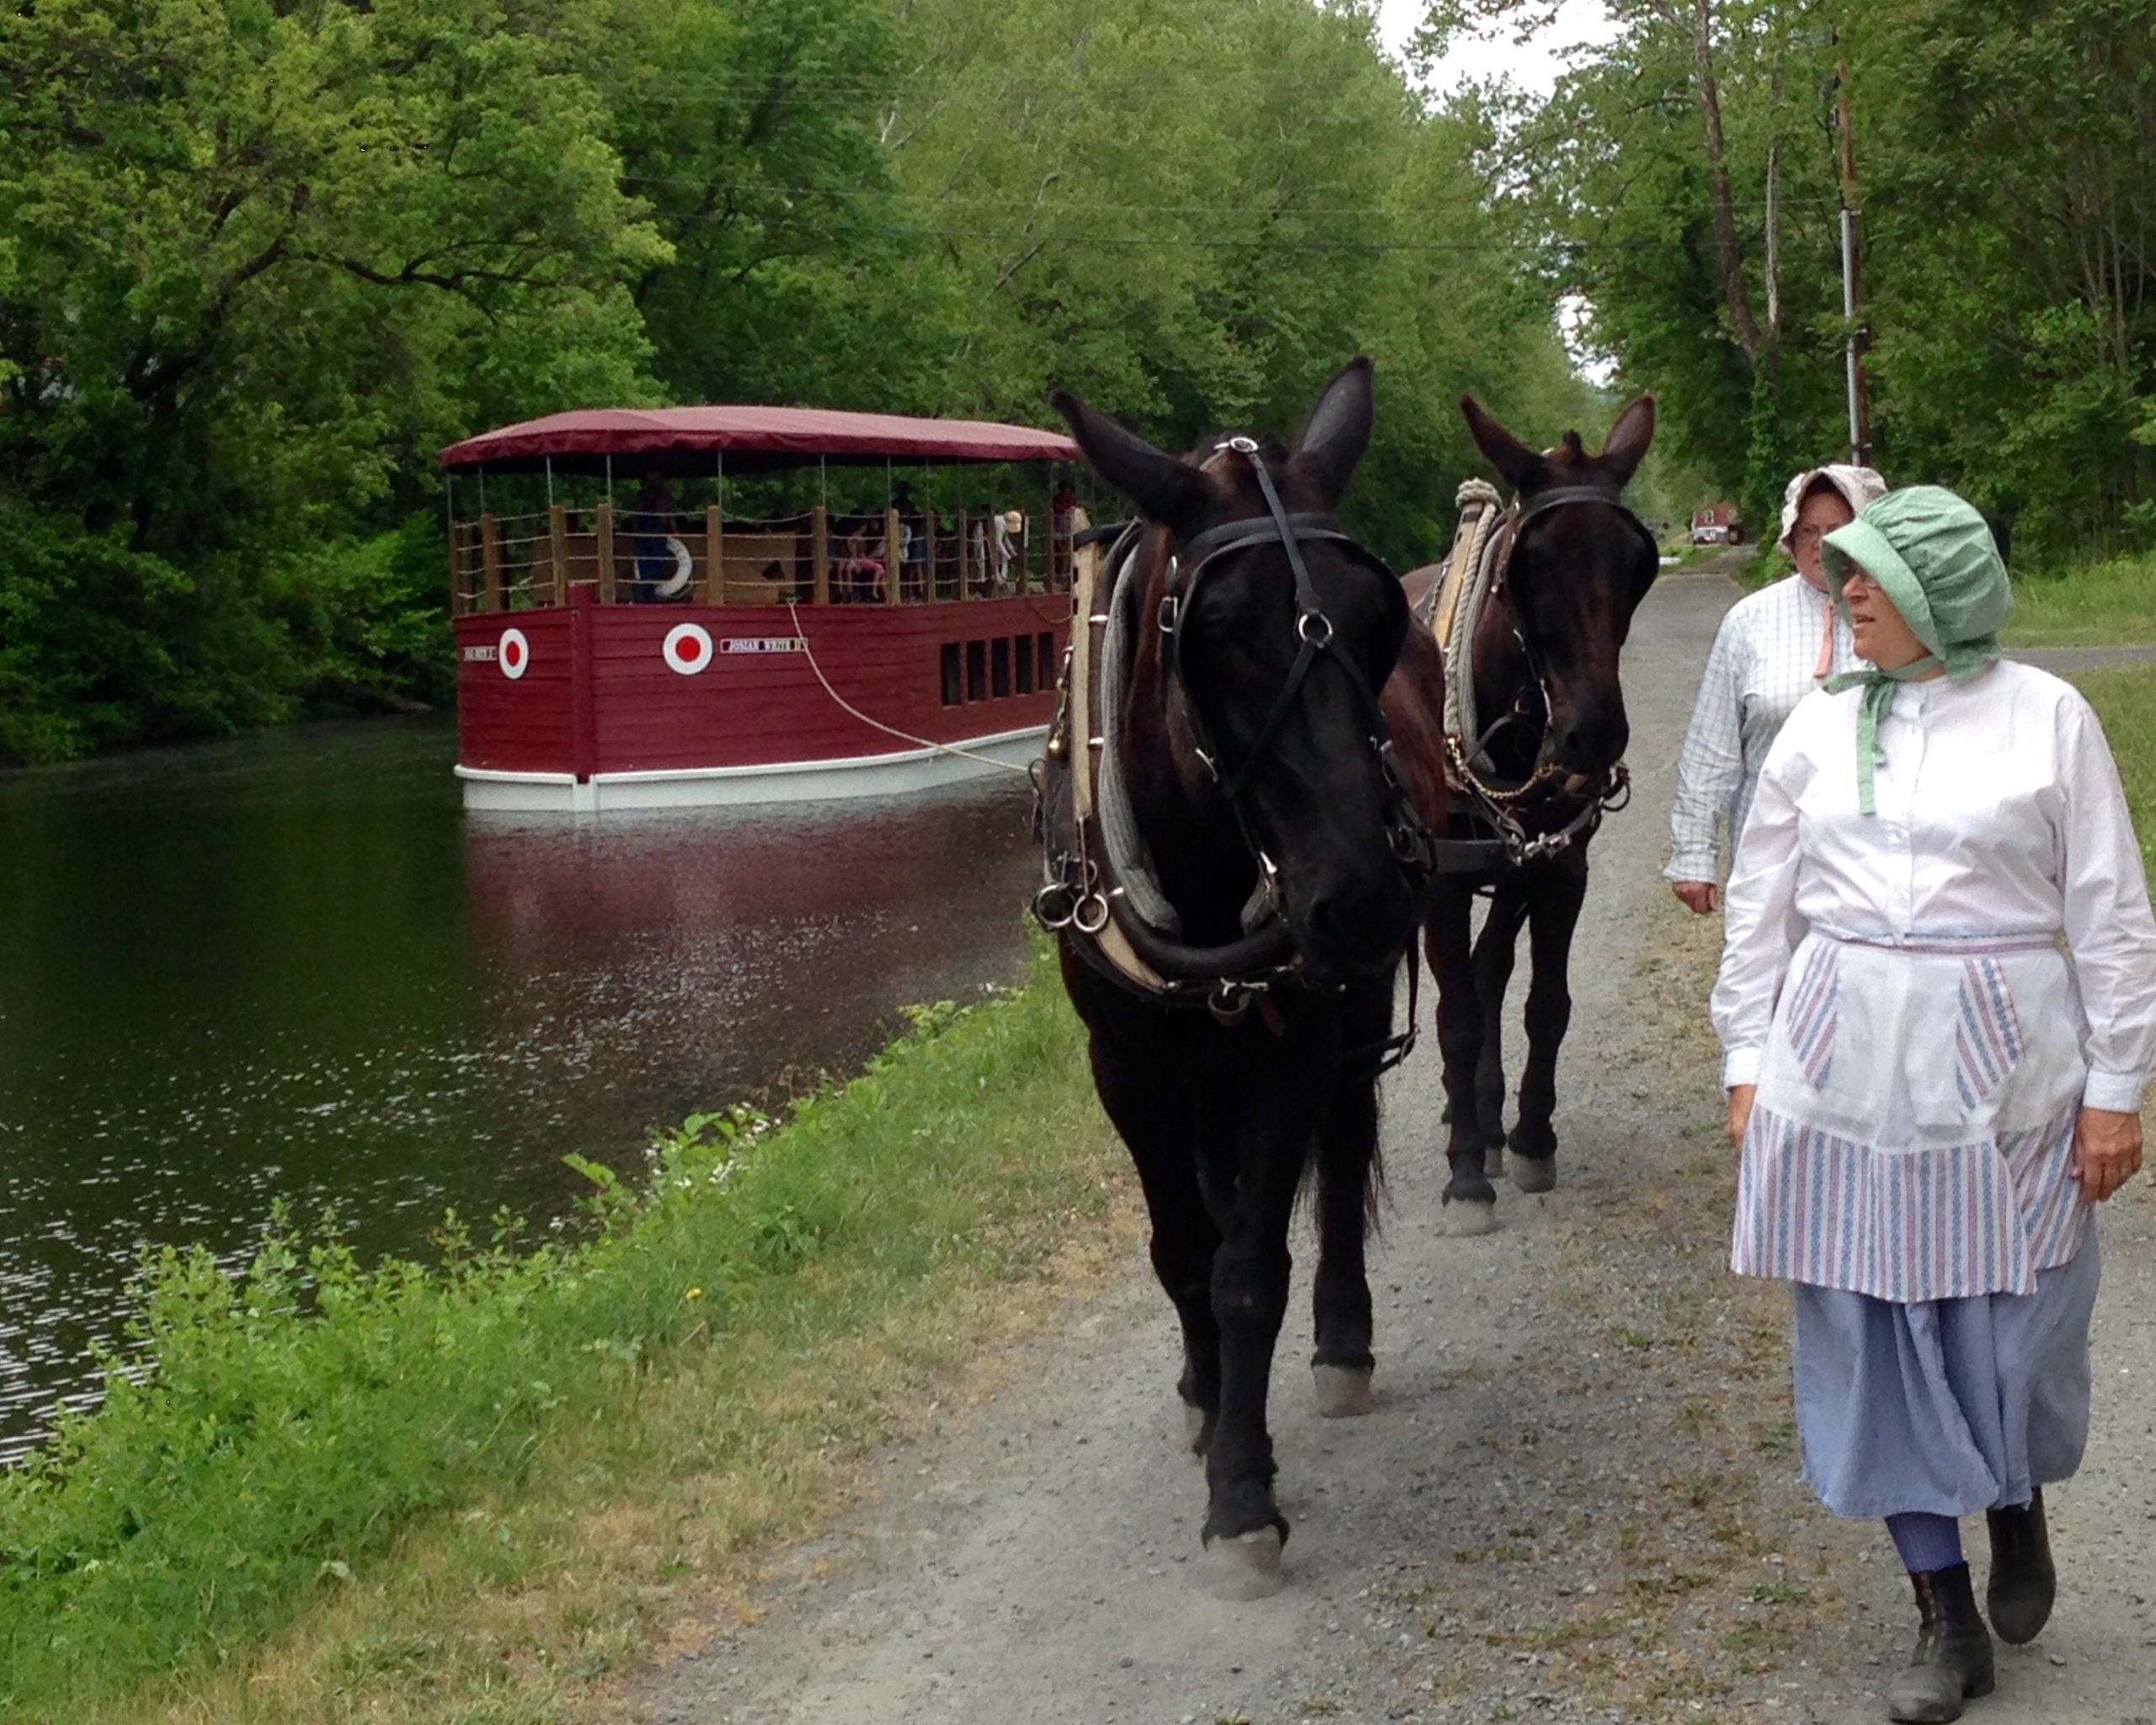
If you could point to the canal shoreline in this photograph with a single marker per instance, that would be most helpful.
(542, 1465)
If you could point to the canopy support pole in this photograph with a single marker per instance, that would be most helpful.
(449, 521)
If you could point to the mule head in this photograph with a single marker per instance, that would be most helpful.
(1577, 573)
(1296, 770)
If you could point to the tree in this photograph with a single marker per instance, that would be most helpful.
(258, 262)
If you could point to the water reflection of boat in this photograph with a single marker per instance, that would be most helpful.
(704, 956)
(702, 639)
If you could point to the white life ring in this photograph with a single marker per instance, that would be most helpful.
(685, 567)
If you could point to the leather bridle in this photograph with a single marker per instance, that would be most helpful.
(1078, 898)
(1498, 805)
(1409, 840)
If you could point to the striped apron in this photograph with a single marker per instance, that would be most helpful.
(1912, 1129)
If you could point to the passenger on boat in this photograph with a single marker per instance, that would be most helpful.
(1003, 526)
(660, 557)
(1062, 507)
(980, 573)
(913, 541)
(860, 571)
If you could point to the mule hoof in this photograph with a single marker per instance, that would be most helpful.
(1344, 1391)
(1464, 1218)
(1194, 1424)
(1244, 1568)
(1493, 1161)
(1534, 1173)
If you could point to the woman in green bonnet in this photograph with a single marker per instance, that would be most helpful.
(1930, 1094)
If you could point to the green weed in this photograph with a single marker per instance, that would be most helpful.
(387, 1450)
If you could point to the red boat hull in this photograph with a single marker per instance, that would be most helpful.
(588, 705)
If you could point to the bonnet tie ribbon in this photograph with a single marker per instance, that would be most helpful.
(1878, 687)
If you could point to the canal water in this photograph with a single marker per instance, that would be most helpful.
(289, 966)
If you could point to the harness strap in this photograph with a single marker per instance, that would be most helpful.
(1078, 894)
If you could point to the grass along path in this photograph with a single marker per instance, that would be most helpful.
(481, 1493)
(2095, 605)
(2124, 699)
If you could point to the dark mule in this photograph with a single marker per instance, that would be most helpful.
(1544, 664)
(1258, 775)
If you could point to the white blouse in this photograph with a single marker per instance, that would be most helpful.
(1999, 812)
(1760, 667)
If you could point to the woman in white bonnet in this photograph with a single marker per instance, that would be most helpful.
(1774, 648)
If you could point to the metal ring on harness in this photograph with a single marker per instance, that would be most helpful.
(1054, 907)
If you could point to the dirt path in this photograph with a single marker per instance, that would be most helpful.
(1576, 1501)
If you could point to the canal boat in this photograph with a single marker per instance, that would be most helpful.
(646, 616)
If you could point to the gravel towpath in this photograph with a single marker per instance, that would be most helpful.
(1577, 1500)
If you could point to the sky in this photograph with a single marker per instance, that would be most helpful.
(1533, 66)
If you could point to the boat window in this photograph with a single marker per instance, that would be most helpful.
(998, 666)
(1022, 660)
(976, 671)
(954, 692)
(1045, 643)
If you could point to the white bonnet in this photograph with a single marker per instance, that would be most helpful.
(1860, 486)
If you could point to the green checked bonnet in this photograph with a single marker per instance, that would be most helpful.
(1934, 558)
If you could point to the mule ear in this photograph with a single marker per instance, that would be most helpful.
(1518, 466)
(1164, 489)
(1336, 433)
(1626, 445)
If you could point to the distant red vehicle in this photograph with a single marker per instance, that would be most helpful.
(1717, 523)
(647, 615)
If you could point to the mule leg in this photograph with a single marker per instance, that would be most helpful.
(1559, 889)
(1261, 1148)
(1470, 1202)
(1150, 1112)
(1347, 1174)
(1495, 953)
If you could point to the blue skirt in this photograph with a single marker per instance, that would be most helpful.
(1944, 1407)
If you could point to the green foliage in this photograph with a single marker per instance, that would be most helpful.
(258, 264)
(274, 1433)
(2006, 161)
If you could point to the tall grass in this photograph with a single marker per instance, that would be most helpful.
(295, 1432)
(2093, 604)
(2124, 699)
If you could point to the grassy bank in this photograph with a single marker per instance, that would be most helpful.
(477, 1493)
(2096, 605)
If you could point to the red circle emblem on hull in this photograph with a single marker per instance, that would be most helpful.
(514, 654)
(688, 649)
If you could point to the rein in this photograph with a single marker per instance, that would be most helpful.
(1079, 895)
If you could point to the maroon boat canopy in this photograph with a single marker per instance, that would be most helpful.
(747, 440)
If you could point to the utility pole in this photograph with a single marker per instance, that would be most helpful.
(1852, 287)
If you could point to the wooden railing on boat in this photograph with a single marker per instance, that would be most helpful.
(514, 562)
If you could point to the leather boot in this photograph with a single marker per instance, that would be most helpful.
(1952, 1661)
(2024, 1581)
